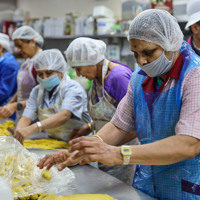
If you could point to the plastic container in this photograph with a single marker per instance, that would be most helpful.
(102, 11)
(89, 26)
(104, 25)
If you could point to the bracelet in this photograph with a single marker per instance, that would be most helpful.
(90, 126)
(39, 125)
(97, 136)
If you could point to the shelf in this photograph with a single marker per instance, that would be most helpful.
(92, 36)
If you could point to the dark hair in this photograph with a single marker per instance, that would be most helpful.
(191, 25)
(27, 41)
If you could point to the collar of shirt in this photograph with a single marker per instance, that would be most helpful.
(50, 101)
(149, 83)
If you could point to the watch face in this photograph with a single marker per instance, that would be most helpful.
(19, 106)
(126, 150)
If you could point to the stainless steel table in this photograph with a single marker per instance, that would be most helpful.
(90, 180)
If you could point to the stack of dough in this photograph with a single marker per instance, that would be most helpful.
(19, 168)
(45, 144)
(76, 197)
(4, 127)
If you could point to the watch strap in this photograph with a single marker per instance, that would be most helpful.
(126, 152)
(126, 159)
(19, 106)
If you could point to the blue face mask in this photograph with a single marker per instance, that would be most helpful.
(50, 82)
(159, 66)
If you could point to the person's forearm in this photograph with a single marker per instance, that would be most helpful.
(111, 134)
(129, 136)
(24, 103)
(167, 151)
(56, 120)
(23, 122)
(13, 99)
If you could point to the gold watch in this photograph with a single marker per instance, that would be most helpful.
(126, 152)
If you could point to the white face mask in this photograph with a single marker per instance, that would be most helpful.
(158, 67)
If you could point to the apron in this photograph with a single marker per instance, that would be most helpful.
(62, 132)
(156, 121)
(102, 107)
(25, 82)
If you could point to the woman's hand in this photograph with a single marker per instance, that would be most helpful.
(22, 133)
(7, 110)
(93, 149)
(63, 158)
(83, 131)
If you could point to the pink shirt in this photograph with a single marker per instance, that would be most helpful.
(189, 121)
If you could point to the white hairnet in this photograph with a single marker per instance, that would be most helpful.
(85, 51)
(158, 27)
(28, 33)
(193, 12)
(51, 59)
(4, 41)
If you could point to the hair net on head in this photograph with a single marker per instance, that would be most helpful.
(51, 59)
(28, 33)
(85, 51)
(4, 41)
(193, 12)
(158, 27)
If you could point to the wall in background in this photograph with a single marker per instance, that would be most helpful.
(7, 5)
(58, 8)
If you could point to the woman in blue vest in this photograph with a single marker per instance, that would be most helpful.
(163, 105)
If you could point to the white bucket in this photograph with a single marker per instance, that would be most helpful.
(104, 25)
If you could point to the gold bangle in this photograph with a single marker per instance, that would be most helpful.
(90, 126)
(97, 136)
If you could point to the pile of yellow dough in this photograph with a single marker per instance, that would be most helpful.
(20, 180)
(76, 197)
(45, 144)
(4, 127)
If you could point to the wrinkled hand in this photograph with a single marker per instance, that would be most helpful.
(92, 149)
(7, 110)
(63, 158)
(22, 133)
(83, 131)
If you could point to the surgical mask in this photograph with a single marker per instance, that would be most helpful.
(159, 66)
(50, 82)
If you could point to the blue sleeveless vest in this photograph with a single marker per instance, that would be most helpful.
(171, 182)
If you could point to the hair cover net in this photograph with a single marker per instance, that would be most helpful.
(85, 51)
(28, 33)
(157, 27)
(51, 59)
(4, 41)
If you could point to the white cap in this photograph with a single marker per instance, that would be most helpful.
(4, 41)
(157, 27)
(27, 33)
(193, 12)
(85, 51)
(51, 59)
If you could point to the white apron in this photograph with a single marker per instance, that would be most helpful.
(25, 82)
(62, 132)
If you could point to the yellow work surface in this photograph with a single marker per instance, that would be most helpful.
(76, 197)
(45, 144)
(4, 128)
